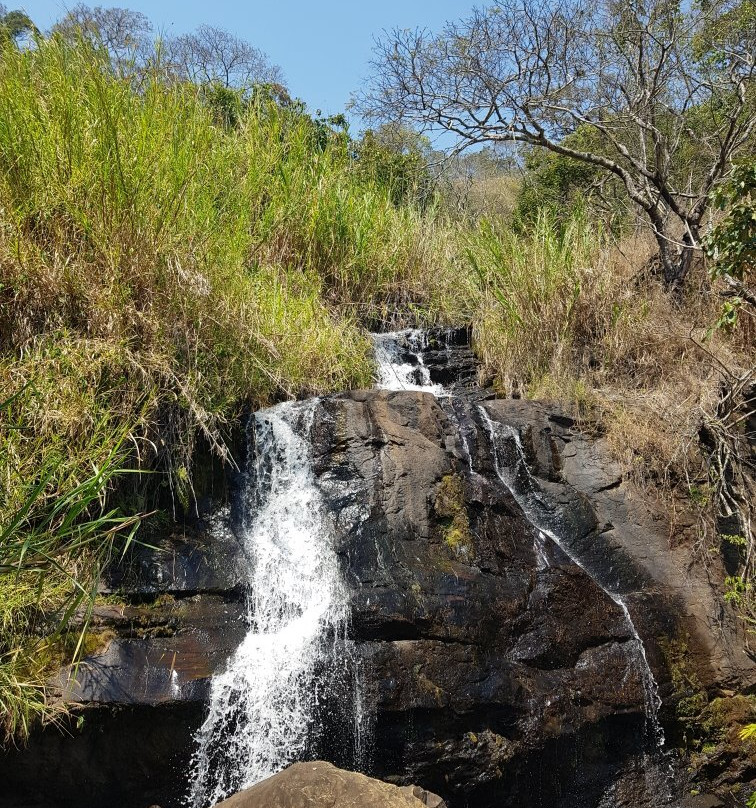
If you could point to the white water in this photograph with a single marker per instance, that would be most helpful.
(530, 503)
(394, 373)
(263, 705)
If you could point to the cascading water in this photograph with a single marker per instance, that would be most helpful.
(400, 364)
(396, 373)
(263, 705)
(516, 477)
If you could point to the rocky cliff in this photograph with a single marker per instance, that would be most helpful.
(496, 670)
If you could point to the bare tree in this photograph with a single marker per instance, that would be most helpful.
(211, 55)
(667, 93)
(125, 34)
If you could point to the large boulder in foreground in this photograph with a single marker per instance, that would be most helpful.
(321, 785)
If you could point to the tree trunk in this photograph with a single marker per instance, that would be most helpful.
(676, 260)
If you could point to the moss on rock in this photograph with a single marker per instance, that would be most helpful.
(450, 507)
(689, 694)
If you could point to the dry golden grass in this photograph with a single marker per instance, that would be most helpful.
(492, 198)
(579, 319)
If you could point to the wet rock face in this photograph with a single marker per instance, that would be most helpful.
(480, 647)
(497, 671)
(449, 358)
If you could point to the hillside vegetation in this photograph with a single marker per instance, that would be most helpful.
(160, 272)
(172, 255)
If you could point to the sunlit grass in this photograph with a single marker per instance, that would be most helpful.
(159, 274)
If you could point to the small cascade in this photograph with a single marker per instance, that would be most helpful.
(263, 707)
(399, 357)
(512, 469)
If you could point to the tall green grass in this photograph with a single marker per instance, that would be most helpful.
(160, 271)
(53, 548)
(535, 292)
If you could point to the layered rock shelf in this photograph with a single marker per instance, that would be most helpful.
(495, 670)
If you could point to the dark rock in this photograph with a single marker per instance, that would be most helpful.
(156, 660)
(703, 801)
(630, 547)
(479, 654)
(497, 669)
(204, 556)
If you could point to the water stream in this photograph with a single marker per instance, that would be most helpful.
(514, 473)
(400, 364)
(263, 705)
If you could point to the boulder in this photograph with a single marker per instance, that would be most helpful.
(321, 785)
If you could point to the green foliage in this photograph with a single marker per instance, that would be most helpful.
(22, 695)
(740, 593)
(555, 182)
(396, 159)
(735, 26)
(14, 25)
(701, 495)
(732, 242)
(56, 534)
(226, 104)
(734, 539)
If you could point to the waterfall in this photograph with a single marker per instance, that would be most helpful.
(399, 356)
(516, 477)
(263, 705)
(266, 706)
(400, 363)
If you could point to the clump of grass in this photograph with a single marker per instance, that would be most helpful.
(531, 291)
(56, 537)
(319, 214)
(160, 272)
(23, 698)
(568, 314)
(128, 280)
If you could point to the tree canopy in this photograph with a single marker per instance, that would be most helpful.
(126, 34)
(211, 55)
(647, 79)
(14, 25)
(207, 56)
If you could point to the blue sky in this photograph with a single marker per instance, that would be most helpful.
(323, 47)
